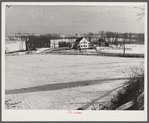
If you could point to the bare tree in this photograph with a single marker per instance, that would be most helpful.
(116, 36)
(90, 36)
(102, 34)
(141, 13)
(76, 35)
(112, 37)
(108, 35)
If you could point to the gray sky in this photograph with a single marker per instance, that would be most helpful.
(72, 19)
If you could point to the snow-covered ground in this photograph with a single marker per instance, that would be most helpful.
(39, 50)
(35, 74)
(130, 48)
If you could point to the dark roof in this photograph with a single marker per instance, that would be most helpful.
(79, 39)
(39, 40)
(101, 40)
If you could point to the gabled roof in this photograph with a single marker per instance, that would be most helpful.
(79, 39)
(101, 40)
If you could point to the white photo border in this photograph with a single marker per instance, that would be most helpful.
(62, 115)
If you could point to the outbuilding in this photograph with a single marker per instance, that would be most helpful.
(102, 43)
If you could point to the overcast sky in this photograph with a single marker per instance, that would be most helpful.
(72, 19)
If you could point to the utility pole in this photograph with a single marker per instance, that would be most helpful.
(124, 48)
(125, 37)
(69, 43)
(26, 42)
(54, 43)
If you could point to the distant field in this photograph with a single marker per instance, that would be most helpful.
(130, 49)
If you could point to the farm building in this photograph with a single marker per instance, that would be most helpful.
(83, 43)
(101, 42)
(37, 42)
(13, 46)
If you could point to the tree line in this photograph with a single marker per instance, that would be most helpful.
(117, 38)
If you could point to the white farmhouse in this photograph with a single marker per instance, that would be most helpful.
(83, 43)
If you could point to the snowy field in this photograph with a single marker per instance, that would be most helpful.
(37, 73)
(130, 48)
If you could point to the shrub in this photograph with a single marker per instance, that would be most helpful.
(132, 89)
(130, 92)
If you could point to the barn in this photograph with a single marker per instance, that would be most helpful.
(37, 42)
(102, 43)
